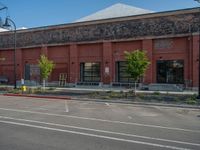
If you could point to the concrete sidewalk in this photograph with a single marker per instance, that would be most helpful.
(93, 89)
(106, 89)
(124, 101)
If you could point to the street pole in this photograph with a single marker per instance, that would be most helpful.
(15, 65)
(7, 25)
(198, 97)
(4, 7)
(14, 54)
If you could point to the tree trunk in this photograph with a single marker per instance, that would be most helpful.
(135, 89)
(43, 84)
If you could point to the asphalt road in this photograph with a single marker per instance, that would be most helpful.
(41, 124)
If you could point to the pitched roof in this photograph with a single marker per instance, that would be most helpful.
(114, 11)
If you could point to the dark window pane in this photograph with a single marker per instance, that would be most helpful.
(90, 72)
(121, 73)
(170, 71)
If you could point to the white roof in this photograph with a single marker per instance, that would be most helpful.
(114, 11)
(2, 30)
(22, 28)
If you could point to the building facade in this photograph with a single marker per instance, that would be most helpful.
(93, 51)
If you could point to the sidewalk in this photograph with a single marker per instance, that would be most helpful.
(128, 101)
(100, 89)
(84, 89)
(119, 100)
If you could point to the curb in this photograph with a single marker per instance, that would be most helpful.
(38, 96)
(137, 103)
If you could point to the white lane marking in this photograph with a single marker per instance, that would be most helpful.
(107, 104)
(66, 107)
(94, 135)
(102, 131)
(88, 108)
(129, 117)
(102, 120)
(40, 108)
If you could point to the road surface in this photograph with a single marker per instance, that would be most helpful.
(42, 124)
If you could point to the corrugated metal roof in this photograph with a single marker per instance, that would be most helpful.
(114, 11)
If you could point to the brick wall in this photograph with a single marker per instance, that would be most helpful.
(124, 28)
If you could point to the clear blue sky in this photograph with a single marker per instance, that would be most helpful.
(35, 13)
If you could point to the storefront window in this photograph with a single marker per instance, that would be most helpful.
(170, 71)
(121, 73)
(90, 72)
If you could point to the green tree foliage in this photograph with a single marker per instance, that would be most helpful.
(46, 67)
(137, 64)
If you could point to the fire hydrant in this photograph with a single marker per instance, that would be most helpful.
(24, 88)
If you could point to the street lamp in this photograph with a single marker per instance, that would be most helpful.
(198, 97)
(7, 25)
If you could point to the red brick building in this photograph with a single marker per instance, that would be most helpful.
(93, 51)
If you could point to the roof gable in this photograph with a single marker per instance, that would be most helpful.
(114, 11)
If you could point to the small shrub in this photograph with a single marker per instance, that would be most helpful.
(125, 94)
(130, 93)
(191, 100)
(94, 94)
(6, 88)
(51, 88)
(97, 93)
(156, 93)
(194, 97)
(32, 91)
(106, 97)
(177, 99)
(15, 91)
(38, 90)
(141, 96)
(116, 95)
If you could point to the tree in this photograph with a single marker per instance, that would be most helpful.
(46, 68)
(137, 64)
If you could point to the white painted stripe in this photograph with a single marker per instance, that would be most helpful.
(66, 107)
(102, 120)
(101, 131)
(107, 104)
(95, 135)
